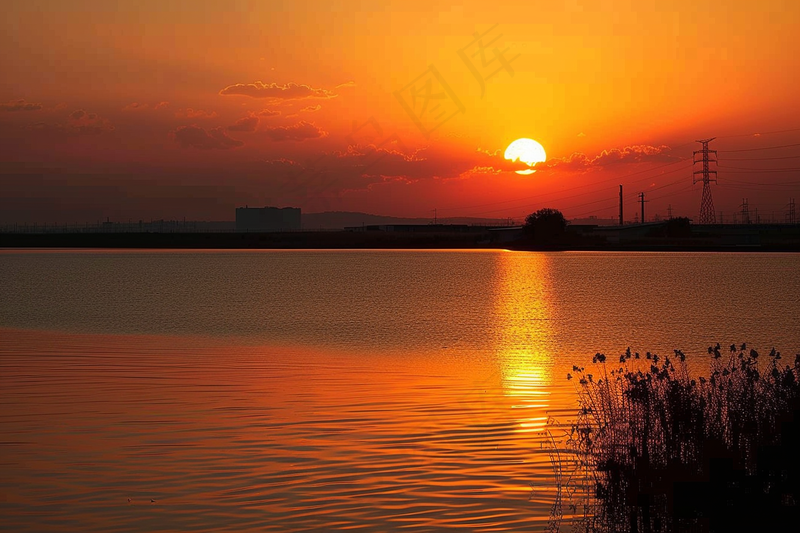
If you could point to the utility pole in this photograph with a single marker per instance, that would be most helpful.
(706, 204)
(669, 211)
(642, 200)
(792, 216)
(620, 205)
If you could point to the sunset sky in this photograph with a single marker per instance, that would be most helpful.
(189, 108)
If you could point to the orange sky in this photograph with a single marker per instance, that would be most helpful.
(171, 109)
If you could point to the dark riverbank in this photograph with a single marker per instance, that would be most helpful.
(277, 240)
(367, 240)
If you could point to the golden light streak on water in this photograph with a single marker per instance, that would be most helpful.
(523, 302)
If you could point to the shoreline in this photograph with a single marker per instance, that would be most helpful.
(355, 240)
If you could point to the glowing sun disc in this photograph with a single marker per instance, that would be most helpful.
(526, 150)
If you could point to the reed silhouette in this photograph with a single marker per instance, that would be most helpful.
(662, 450)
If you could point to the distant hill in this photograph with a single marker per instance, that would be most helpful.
(342, 219)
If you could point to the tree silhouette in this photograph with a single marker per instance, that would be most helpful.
(678, 227)
(546, 226)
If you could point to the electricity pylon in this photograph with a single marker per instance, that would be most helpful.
(706, 204)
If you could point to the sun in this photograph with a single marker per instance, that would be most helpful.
(525, 150)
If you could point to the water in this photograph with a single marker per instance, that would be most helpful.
(329, 390)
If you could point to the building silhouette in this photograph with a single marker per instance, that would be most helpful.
(267, 219)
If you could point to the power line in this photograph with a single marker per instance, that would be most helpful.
(576, 187)
(675, 193)
(568, 197)
(760, 171)
(729, 180)
(598, 210)
(611, 206)
(759, 149)
(757, 133)
(649, 171)
(615, 204)
(760, 158)
(628, 196)
(754, 187)
(667, 185)
(616, 178)
(785, 169)
(529, 206)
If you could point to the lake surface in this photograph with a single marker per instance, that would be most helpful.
(331, 390)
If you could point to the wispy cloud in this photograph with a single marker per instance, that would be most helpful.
(247, 124)
(580, 162)
(139, 106)
(89, 123)
(274, 91)
(20, 105)
(197, 137)
(360, 167)
(296, 132)
(79, 122)
(135, 106)
(194, 113)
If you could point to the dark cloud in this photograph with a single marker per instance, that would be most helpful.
(296, 132)
(197, 137)
(268, 113)
(88, 123)
(579, 162)
(290, 91)
(427, 163)
(139, 106)
(83, 123)
(20, 105)
(359, 168)
(135, 106)
(79, 122)
(249, 123)
(194, 113)
(321, 177)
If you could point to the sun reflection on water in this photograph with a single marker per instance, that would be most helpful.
(525, 332)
